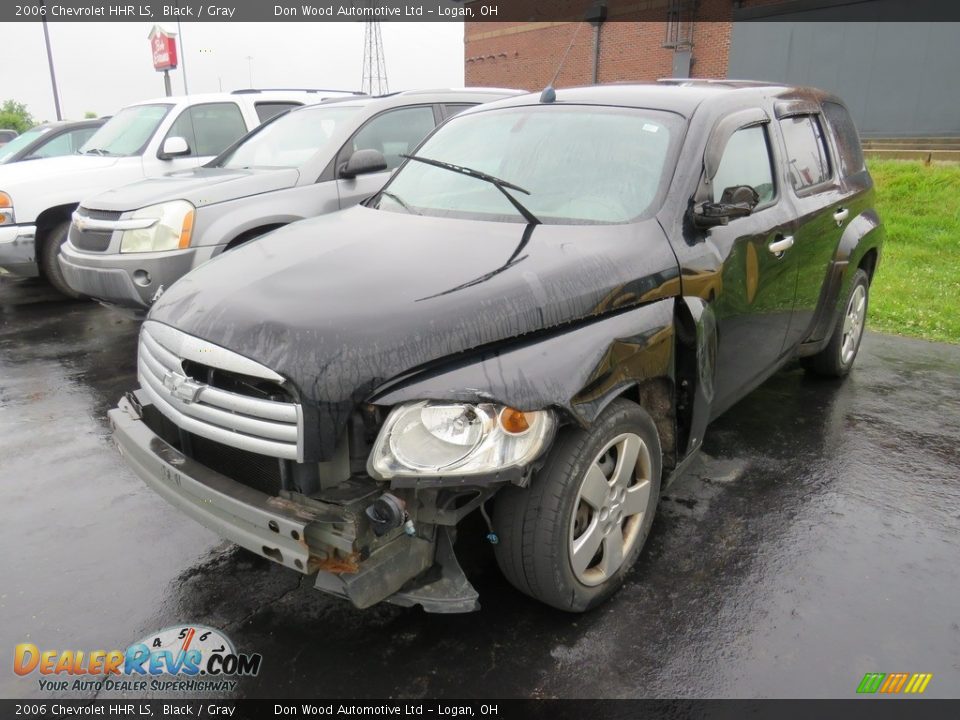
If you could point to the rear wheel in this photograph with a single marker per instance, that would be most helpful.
(837, 358)
(571, 537)
(49, 249)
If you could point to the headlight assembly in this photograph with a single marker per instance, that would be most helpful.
(6, 209)
(171, 228)
(439, 438)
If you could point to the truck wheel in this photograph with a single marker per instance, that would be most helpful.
(49, 250)
(836, 359)
(570, 538)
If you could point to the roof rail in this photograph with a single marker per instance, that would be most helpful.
(716, 81)
(253, 91)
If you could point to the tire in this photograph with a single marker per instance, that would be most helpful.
(540, 526)
(837, 358)
(50, 246)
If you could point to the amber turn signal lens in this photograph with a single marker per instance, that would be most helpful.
(5, 200)
(513, 421)
(186, 231)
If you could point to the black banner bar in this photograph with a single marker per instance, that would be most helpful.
(475, 10)
(853, 709)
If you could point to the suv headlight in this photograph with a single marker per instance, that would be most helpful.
(171, 228)
(6, 209)
(437, 438)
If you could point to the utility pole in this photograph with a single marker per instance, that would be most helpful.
(53, 75)
(374, 81)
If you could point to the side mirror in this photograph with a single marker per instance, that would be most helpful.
(174, 147)
(363, 162)
(736, 201)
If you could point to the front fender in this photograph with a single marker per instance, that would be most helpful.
(578, 369)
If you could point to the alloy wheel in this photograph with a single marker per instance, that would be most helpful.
(853, 322)
(608, 513)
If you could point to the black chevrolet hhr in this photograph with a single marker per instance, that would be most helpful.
(536, 318)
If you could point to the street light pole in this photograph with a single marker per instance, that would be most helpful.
(183, 57)
(53, 75)
(250, 68)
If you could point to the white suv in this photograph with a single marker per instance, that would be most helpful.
(147, 139)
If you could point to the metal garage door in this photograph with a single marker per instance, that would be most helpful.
(899, 78)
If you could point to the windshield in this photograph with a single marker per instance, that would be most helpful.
(579, 164)
(127, 132)
(290, 140)
(21, 141)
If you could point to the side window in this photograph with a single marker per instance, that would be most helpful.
(850, 154)
(451, 110)
(394, 133)
(806, 151)
(60, 145)
(79, 137)
(209, 129)
(267, 110)
(746, 161)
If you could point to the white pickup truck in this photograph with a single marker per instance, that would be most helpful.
(143, 140)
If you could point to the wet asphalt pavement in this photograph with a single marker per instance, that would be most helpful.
(817, 539)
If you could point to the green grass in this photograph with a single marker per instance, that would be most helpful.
(917, 289)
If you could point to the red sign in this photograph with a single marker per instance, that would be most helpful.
(164, 48)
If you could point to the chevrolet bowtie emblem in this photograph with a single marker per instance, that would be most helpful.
(182, 387)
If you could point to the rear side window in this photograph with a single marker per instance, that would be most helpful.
(806, 151)
(267, 110)
(850, 155)
(209, 129)
(451, 110)
(746, 161)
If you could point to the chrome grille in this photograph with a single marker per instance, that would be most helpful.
(267, 427)
(99, 214)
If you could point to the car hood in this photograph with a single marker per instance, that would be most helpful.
(341, 303)
(15, 174)
(201, 186)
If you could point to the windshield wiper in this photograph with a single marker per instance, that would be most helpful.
(399, 202)
(499, 184)
(97, 151)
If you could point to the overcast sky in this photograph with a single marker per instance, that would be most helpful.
(101, 67)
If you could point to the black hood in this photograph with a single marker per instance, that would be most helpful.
(343, 302)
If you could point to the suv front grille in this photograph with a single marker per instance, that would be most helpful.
(244, 417)
(92, 240)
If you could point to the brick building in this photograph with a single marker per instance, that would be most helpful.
(899, 79)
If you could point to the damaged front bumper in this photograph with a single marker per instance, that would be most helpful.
(303, 534)
(18, 252)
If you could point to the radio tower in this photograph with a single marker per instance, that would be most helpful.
(374, 64)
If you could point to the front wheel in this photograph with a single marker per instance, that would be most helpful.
(836, 359)
(49, 251)
(571, 537)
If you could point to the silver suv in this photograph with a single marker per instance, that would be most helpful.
(127, 245)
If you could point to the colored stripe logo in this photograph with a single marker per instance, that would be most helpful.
(894, 683)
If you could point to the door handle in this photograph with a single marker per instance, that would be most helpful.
(840, 215)
(779, 247)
